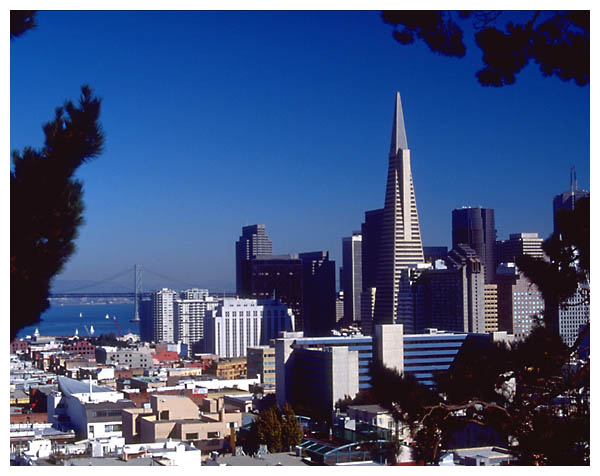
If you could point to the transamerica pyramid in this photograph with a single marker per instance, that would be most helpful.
(401, 244)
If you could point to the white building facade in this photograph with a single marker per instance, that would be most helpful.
(237, 324)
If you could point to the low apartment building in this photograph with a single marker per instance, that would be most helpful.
(179, 418)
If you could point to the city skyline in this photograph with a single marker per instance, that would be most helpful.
(297, 141)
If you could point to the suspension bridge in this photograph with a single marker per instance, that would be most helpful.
(136, 292)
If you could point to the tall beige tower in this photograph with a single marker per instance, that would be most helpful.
(401, 244)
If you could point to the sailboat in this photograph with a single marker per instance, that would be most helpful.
(92, 330)
(107, 317)
(81, 314)
(76, 332)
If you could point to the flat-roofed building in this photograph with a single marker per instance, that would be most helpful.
(261, 363)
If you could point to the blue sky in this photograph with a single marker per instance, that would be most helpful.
(215, 120)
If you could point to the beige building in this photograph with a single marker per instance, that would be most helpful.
(179, 418)
(490, 304)
(261, 363)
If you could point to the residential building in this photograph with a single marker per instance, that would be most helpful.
(132, 357)
(163, 319)
(400, 244)
(231, 368)
(189, 313)
(475, 227)
(352, 284)
(179, 418)
(92, 411)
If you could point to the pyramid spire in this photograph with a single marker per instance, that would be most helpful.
(398, 132)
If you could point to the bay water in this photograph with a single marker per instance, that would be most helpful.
(65, 319)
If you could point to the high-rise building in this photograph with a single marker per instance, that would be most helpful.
(567, 200)
(434, 253)
(401, 244)
(237, 324)
(189, 312)
(519, 244)
(253, 242)
(575, 315)
(318, 293)
(452, 299)
(490, 297)
(352, 259)
(371, 245)
(280, 277)
(339, 306)
(519, 301)
(163, 322)
(474, 226)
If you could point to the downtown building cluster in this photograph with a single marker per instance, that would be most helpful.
(205, 364)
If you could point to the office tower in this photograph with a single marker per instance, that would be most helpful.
(433, 253)
(163, 326)
(352, 259)
(474, 226)
(253, 242)
(371, 244)
(567, 200)
(339, 306)
(490, 297)
(452, 299)
(573, 317)
(278, 276)
(410, 300)
(400, 233)
(146, 320)
(318, 293)
(519, 244)
(236, 324)
(519, 301)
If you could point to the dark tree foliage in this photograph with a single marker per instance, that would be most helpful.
(46, 207)
(279, 431)
(559, 42)
(21, 21)
(569, 265)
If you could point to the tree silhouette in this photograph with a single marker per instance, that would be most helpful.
(46, 208)
(21, 21)
(558, 41)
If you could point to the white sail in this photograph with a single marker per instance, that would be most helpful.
(91, 329)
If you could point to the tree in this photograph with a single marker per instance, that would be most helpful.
(269, 428)
(46, 208)
(291, 432)
(558, 41)
(21, 21)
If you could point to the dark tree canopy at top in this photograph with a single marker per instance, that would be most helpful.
(558, 41)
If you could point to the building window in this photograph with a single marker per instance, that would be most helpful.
(164, 415)
(191, 436)
(213, 434)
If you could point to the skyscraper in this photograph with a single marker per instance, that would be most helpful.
(254, 242)
(401, 243)
(352, 285)
(318, 293)
(474, 226)
(519, 244)
(567, 200)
